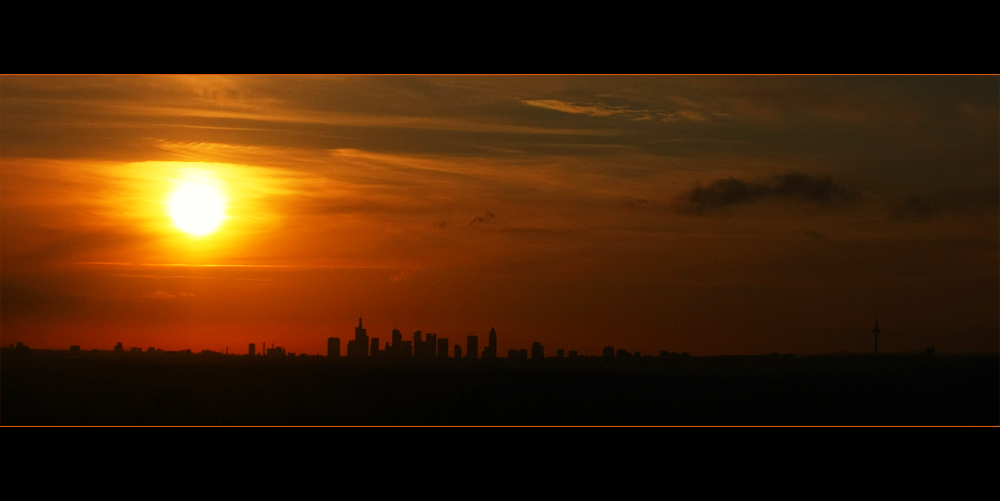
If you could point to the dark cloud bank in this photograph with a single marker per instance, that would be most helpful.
(796, 186)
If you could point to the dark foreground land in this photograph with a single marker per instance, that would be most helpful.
(53, 388)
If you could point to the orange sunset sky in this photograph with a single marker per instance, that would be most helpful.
(706, 214)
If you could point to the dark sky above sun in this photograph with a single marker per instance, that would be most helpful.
(707, 214)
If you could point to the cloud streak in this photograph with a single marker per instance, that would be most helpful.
(556, 105)
(686, 113)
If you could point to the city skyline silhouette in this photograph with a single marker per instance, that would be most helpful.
(428, 345)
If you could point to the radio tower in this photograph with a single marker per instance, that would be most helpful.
(876, 331)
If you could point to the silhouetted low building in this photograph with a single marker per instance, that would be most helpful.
(609, 352)
(75, 349)
(333, 347)
(118, 348)
(425, 348)
(517, 354)
(442, 349)
(252, 350)
(559, 353)
(573, 354)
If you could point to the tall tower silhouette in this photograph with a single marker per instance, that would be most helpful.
(491, 348)
(358, 347)
(876, 331)
(361, 336)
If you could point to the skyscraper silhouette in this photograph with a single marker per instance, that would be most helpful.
(431, 344)
(472, 347)
(397, 342)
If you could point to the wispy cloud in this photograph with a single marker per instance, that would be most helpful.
(932, 205)
(401, 276)
(635, 204)
(693, 115)
(167, 295)
(485, 218)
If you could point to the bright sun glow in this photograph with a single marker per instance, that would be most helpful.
(197, 207)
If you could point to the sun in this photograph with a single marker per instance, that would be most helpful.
(197, 207)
